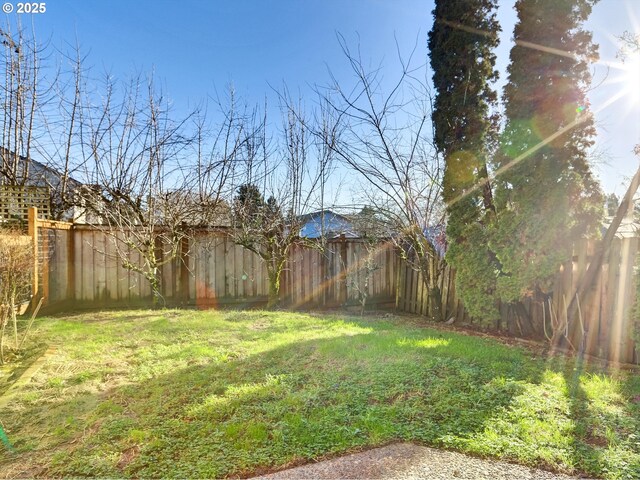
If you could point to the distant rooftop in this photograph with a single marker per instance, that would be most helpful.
(630, 227)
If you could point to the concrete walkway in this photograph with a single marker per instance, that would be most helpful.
(404, 461)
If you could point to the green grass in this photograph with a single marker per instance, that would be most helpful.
(214, 394)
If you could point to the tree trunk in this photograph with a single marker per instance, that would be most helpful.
(587, 281)
(274, 273)
(430, 274)
(3, 323)
(487, 193)
(525, 323)
(274, 291)
(435, 297)
(156, 295)
(14, 317)
(156, 284)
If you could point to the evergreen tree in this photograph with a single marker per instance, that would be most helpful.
(611, 204)
(545, 193)
(259, 226)
(249, 206)
(461, 44)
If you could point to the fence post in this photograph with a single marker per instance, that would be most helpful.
(323, 274)
(183, 263)
(343, 295)
(33, 233)
(399, 266)
(71, 260)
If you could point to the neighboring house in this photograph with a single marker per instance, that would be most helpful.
(200, 212)
(437, 237)
(360, 225)
(629, 227)
(42, 178)
(327, 223)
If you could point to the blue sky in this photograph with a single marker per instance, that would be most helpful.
(196, 47)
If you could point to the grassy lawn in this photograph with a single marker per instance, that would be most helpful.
(214, 394)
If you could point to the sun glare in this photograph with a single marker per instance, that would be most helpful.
(631, 78)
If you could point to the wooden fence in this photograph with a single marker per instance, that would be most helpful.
(604, 328)
(79, 265)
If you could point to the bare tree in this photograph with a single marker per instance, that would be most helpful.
(135, 174)
(375, 236)
(16, 262)
(220, 151)
(22, 95)
(386, 140)
(62, 122)
(40, 92)
(276, 189)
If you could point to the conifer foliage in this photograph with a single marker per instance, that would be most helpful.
(507, 238)
(461, 44)
(260, 226)
(545, 193)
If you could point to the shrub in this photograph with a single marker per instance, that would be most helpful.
(16, 262)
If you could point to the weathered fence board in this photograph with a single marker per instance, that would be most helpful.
(86, 264)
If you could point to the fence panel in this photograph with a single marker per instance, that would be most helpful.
(86, 265)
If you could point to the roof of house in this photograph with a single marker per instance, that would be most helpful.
(308, 216)
(436, 234)
(41, 175)
(629, 227)
(327, 223)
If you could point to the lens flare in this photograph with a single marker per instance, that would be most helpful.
(631, 76)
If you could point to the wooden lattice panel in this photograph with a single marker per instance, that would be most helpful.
(15, 202)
